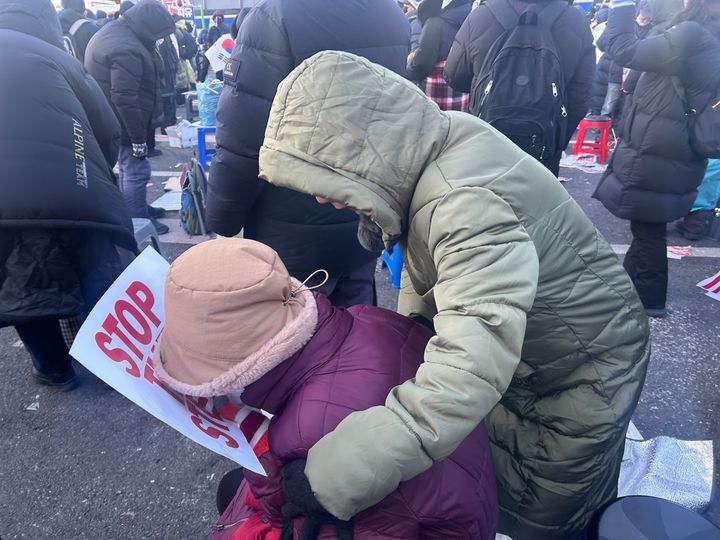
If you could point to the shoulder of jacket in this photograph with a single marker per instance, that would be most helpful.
(271, 10)
(686, 34)
(574, 16)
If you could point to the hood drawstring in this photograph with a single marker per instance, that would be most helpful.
(303, 286)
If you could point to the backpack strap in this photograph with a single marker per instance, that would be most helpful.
(552, 12)
(76, 26)
(503, 11)
(680, 91)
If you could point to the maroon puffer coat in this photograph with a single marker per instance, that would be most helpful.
(355, 357)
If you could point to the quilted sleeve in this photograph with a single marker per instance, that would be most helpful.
(487, 272)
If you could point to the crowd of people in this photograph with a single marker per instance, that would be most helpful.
(498, 397)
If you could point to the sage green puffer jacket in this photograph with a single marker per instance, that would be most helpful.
(539, 329)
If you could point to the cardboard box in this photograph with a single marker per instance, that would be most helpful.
(182, 135)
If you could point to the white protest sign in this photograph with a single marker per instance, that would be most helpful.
(116, 343)
(678, 252)
(711, 286)
(220, 52)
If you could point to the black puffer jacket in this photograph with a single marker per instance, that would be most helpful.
(84, 34)
(574, 44)
(171, 64)
(659, 13)
(275, 38)
(120, 58)
(439, 27)
(607, 72)
(186, 44)
(653, 174)
(415, 32)
(60, 209)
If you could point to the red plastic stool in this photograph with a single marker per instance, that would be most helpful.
(601, 149)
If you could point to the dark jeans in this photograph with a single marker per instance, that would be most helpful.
(169, 110)
(356, 287)
(44, 341)
(151, 138)
(134, 176)
(646, 263)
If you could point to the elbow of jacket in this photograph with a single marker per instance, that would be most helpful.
(458, 85)
(457, 81)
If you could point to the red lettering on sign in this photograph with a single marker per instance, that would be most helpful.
(143, 335)
(117, 355)
(146, 303)
(111, 327)
(214, 433)
(210, 417)
(149, 376)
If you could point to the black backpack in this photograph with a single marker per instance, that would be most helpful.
(520, 90)
(703, 122)
(70, 38)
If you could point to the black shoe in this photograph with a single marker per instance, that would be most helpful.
(160, 228)
(695, 225)
(156, 213)
(154, 153)
(62, 381)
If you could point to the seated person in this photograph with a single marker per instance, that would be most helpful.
(237, 325)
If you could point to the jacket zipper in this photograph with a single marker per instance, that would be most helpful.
(218, 528)
(563, 110)
(486, 92)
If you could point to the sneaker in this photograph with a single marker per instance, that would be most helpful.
(657, 313)
(156, 213)
(160, 228)
(62, 381)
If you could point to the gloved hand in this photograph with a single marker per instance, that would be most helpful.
(139, 150)
(303, 503)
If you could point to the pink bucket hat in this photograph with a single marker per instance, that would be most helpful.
(232, 314)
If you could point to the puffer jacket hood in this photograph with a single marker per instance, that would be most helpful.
(34, 17)
(454, 12)
(149, 20)
(383, 184)
(664, 10)
(539, 329)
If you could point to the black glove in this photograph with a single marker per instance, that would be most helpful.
(302, 502)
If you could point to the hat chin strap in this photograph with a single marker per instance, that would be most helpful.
(303, 287)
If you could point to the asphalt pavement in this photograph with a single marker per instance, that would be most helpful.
(91, 464)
